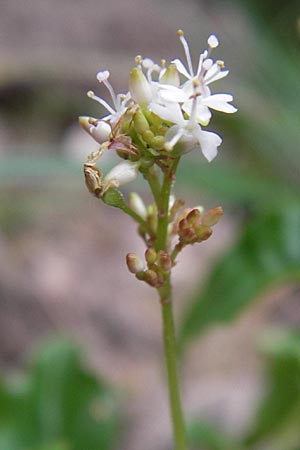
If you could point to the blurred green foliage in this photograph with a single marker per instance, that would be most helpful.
(276, 422)
(267, 253)
(57, 405)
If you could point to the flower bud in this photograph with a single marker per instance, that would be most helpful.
(194, 217)
(170, 76)
(212, 216)
(139, 87)
(203, 232)
(137, 205)
(134, 263)
(122, 173)
(140, 122)
(150, 256)
(164, 261)
(101, 132)
(98, 129)
(151, 278)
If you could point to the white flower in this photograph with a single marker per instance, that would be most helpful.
(197, 83)
(186, 132)
(119, 101)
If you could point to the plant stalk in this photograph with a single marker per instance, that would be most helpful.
(169, 338)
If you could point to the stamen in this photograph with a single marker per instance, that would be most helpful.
(138, 60)
(213, 41)
(102, 102)
(102, 75)
(207, 64)
(216, 68)
(170, 145)
(202, 58)
(186, 51)
(111, 91)
(147, 63)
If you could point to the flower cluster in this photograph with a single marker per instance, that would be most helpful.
(162, 115)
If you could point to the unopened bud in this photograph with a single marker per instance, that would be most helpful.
(170, 76)
(164, 261)
(151, 278)
(139, 87)
(150, 256)
(140, 122)
(101, 131)
(134, 263)
(183, 225)
(188, 235)
(137, 205)
(203, 232)
(122, 173)
(212, 216)
(194, 217)
(98, 129)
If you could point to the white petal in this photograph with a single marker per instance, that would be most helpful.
(123, 173)
(171, 112)
(202, 114)
(172, 136)
(170, 93)
(219, 102)
(181, 68)
(101, 132)
(209, 143)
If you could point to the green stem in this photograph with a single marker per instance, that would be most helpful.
(134, 215)
(165, 293)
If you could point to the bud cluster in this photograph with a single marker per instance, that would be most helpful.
(196, 227)
(154, 271)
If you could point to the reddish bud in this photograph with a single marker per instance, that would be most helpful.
(134, 263)
(194, 217)
(151, 278)
(164, 261)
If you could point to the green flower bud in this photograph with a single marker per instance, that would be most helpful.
(140, 122)
(150, 256)
(139, 87)
(171, 76)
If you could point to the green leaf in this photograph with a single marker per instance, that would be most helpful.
(267, 253)
(58, 405)
(113, 197)
(281, 402)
